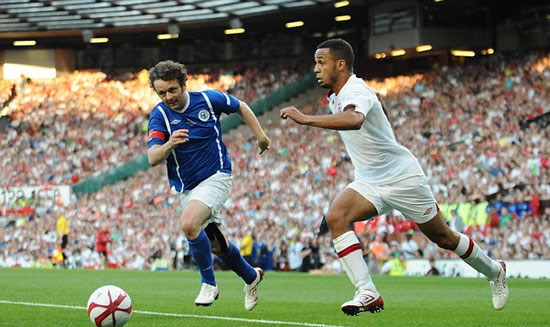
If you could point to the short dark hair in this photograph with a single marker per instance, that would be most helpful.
(341, 50)
(168, 70)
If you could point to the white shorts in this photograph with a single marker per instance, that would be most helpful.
(411, 196)
(213, 192)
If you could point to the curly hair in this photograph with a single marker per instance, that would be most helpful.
(341, 50)
(168, 70)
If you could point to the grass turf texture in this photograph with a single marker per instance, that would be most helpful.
(288, 297)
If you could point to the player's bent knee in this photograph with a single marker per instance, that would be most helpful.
(336, 220)
(191, 230)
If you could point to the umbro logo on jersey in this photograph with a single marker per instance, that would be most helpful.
(427, 212)
(175, 121)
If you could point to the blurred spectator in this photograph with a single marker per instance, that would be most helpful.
(331, 266)
(433, 271)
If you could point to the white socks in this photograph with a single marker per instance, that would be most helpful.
(351, 256)
(476, 258)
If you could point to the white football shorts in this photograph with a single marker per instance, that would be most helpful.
(412, 196)
(213, 192)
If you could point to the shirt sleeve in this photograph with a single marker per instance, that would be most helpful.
(362, 101)
(156, 131)
(223, 102)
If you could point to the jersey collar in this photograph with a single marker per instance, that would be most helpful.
(184, 108)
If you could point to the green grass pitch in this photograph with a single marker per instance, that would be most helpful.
(287, 299)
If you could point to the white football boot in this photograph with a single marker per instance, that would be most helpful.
(499, 286)
(364, 300)
(251, 294)
(207, 295)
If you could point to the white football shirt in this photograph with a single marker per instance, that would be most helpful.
(373, 149)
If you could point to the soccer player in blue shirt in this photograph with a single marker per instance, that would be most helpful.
(184, 130)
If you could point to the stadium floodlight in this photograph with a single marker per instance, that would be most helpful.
(99, 40)
(230, 31)
(24, 43)
(167, 36)
(298, 23)
(399, 52)
(463, 53)
(342, 18)
(341, 4)
(380, 55)
(490, 51)
(422, 48)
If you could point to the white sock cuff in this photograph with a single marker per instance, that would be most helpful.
(465, 246)
(346, 243)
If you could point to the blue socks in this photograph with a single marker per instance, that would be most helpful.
(236, 262)
(201, 251)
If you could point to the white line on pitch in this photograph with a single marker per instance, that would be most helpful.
(167, 314)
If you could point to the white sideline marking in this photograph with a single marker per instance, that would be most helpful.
(259, 321)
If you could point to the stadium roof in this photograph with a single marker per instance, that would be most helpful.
(45, 15)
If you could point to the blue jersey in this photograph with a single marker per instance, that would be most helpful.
(204, 153)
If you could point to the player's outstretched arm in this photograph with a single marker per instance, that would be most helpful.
(250, 119)
(349, 119)
(158, 153)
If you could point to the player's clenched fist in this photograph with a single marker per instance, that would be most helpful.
(294, 114)
(263, 144)
(179, 136)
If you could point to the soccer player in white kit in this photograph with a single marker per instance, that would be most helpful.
(387, 176)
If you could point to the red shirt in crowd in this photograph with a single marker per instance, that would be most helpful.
(102, 238)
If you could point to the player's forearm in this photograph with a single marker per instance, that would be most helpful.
(341, 121)
(157, 154)
(251, 121)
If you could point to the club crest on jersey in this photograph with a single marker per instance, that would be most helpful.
(204, 115)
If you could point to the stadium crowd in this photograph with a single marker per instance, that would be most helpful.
(73, 127)
(479, 130)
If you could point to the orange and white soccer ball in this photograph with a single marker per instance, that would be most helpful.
(109, 306)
